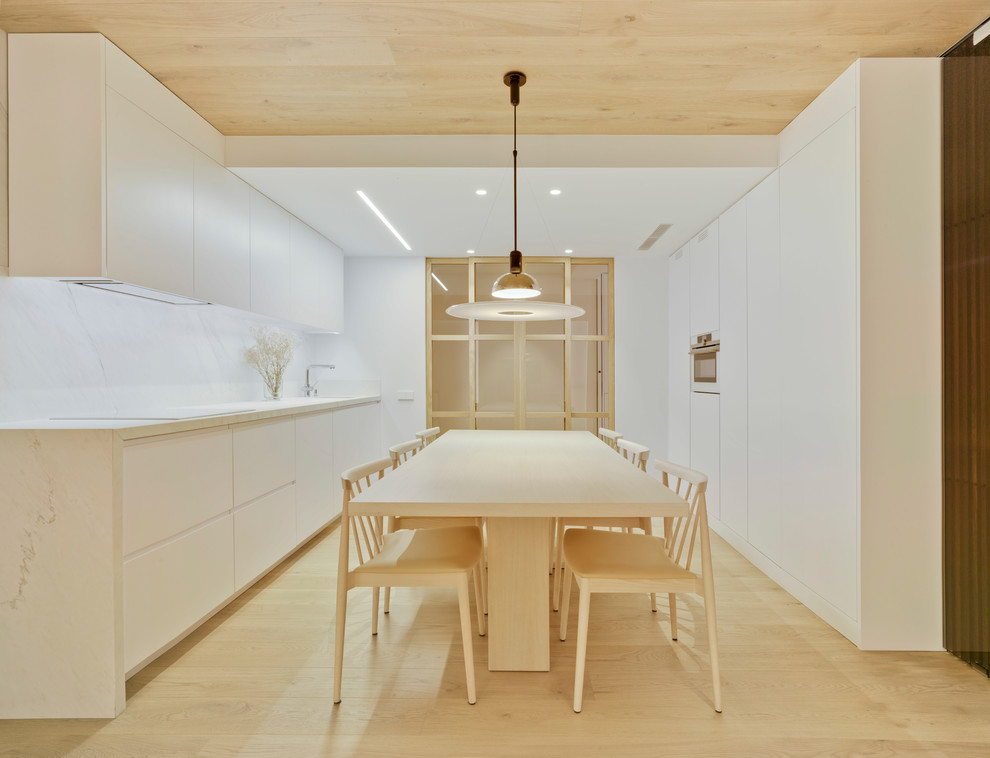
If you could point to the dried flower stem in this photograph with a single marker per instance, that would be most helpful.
(270, 355)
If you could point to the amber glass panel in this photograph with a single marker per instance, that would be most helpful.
(966, 351)
(589, 376)
(551, 279)
(551, 424)
(450, 376)
(589, 289)
(485, 275)
(545, 375)
(446, 424)
(496, 375)
(496, 423)
(589, 424)
(455, 278)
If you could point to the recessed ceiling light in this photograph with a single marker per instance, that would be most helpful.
(470, 252)
(555, 192)
(568, 251)
(481, 192)
(381, 217)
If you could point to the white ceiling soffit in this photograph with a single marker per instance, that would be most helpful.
(602, 210)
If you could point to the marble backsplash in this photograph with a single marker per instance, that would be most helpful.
(67, 349)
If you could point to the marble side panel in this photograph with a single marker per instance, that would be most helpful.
(60, 575)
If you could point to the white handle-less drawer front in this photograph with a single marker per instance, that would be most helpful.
(264, 533)
(174, 483)
(264, 458)
(169, 589)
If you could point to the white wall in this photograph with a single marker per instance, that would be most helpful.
(66, 349)
(641, 336)
(384, 338)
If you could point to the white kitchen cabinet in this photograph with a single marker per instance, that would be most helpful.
(264, 458)
(150, 180)
(271, 261)
(173, 483)
(141, 193)
(357, 438)
(679, 365)
(315, 485)
(818, 393)
(264, 533)
(704, 280)
(765, 366)
(317, 278)
(171, 588)
(222, 235)
(733, 410)
(704, 445)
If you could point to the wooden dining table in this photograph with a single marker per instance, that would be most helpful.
(518, 481)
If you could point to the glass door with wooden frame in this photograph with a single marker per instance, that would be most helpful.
(514, 374)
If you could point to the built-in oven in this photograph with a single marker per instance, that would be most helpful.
(704, 362)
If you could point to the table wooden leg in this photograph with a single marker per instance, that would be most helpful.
(518, 594)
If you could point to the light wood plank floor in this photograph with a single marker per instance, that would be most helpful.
(256, 681)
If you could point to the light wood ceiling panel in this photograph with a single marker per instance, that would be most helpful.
(294, 67)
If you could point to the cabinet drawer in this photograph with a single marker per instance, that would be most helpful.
(264, 533)
(264, 458)
(169, 589)
(173, 484)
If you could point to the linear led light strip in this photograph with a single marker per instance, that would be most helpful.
(437, 278)
(384, 220)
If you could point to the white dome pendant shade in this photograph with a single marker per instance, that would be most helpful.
(515, 288)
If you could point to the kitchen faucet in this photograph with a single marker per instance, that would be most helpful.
(310, 389)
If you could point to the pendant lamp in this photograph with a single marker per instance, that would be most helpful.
(515, 288)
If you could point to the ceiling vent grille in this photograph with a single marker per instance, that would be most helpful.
(657, 234)
(703, 236)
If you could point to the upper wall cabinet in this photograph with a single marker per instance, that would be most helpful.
(223, 235)
(704, 281)
(111, 175)
(150, 180)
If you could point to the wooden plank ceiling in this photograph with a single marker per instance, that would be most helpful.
(300, 67)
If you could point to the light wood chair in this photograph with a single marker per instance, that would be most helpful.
(619, 562)
(429, 435)
(404, 451)
(446, 557)
(637, 455)
(609, 437)
(400, 454)
(633, 452)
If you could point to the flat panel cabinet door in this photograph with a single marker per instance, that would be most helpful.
(264, 458)
(704, 280)
(173, 484)
(169, 589)
(315, 487)
(679, 415)
(264, 533)
(766, 359)
(704, 445)
(317, 279)
(150, 190)
(733, 410)
(223, 235)
(356, 439)
(819, 383)
(271, 260)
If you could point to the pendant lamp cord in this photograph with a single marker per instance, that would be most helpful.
(515, 222)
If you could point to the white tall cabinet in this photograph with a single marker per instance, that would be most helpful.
(828, 308)
(679, 365)
(733, 411)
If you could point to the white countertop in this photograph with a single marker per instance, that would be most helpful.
(147, 422)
